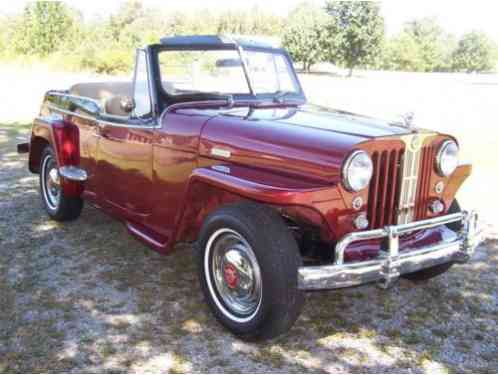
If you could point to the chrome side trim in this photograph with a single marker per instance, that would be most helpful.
(78, 97)
(216, 151)
(73, 173)
(70, 113)
(392, 263)
(99, 121)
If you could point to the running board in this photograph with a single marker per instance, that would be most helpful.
(151, 240)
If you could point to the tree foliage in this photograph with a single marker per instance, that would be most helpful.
(43, 28)
(402, 52)
(349, 34)
(357, 31)
(305, 35)
(251, 22)
(474, 53)
(428, 38)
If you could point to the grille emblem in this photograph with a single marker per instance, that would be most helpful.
(415, 143)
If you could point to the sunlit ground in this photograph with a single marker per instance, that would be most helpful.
(85, 297)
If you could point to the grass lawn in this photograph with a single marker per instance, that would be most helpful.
(86, 297)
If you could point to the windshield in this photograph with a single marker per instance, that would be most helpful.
(221, 72)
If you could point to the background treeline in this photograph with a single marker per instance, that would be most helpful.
(346, 34)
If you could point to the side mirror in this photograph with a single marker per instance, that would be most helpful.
(127, 104)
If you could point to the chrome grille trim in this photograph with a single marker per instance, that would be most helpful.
(409, 176)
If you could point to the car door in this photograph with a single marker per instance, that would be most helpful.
(125, 152)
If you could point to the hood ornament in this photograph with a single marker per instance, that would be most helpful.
(407, 121)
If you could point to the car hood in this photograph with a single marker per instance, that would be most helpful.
(307, 140)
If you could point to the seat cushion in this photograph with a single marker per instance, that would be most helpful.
(101, 91)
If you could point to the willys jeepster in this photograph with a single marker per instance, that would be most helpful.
(213, 142)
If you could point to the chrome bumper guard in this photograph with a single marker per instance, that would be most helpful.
(73, 173)
(390, 264)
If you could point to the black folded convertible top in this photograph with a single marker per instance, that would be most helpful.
(214, 41)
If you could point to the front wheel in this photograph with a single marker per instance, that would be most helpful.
(248, 262)
(58, 206)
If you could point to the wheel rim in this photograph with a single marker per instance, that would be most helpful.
(51, 183)
(233, 275)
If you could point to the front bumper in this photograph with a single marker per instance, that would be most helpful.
(390, 264)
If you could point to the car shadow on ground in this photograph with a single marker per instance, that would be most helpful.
(86, 297)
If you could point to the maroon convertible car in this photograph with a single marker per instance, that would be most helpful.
(213, 142)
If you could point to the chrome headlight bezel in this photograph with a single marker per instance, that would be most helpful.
(351, 182)
(447, 158)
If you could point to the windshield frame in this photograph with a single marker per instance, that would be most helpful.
(171, 98)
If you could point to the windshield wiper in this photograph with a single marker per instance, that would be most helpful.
(280, 95)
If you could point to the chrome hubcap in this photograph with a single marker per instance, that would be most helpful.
(51, 183)
(236, 275)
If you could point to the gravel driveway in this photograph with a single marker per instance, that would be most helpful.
(86, 297)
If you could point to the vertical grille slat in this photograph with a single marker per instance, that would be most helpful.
(400, 186)
(391, 208)
(382, 208)
(423, 190)
(384, 189)
(421, 185)
(372, 198)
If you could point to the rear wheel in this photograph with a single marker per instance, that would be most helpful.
(248, 262)
(58, 206)
(431, 272)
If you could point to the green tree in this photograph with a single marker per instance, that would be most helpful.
(474, 53)
(43, 27)
(356, 30)
(402, 52)
(250, 22)
(305, 35)
(429, 39)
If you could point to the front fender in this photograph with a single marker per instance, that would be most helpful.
(213, 186)
(265, 186)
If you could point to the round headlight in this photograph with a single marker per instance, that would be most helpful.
(357, 171)
(447, 158)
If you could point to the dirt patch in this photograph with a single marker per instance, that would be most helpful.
(86, 297)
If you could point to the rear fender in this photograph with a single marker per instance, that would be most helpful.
(63, 137)
(212, 187)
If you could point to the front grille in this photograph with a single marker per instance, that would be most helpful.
(423, 191)
(400, 186)
(385, 188)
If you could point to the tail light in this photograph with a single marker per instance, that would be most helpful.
(67, 140)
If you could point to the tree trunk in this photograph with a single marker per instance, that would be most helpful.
(350, 72)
